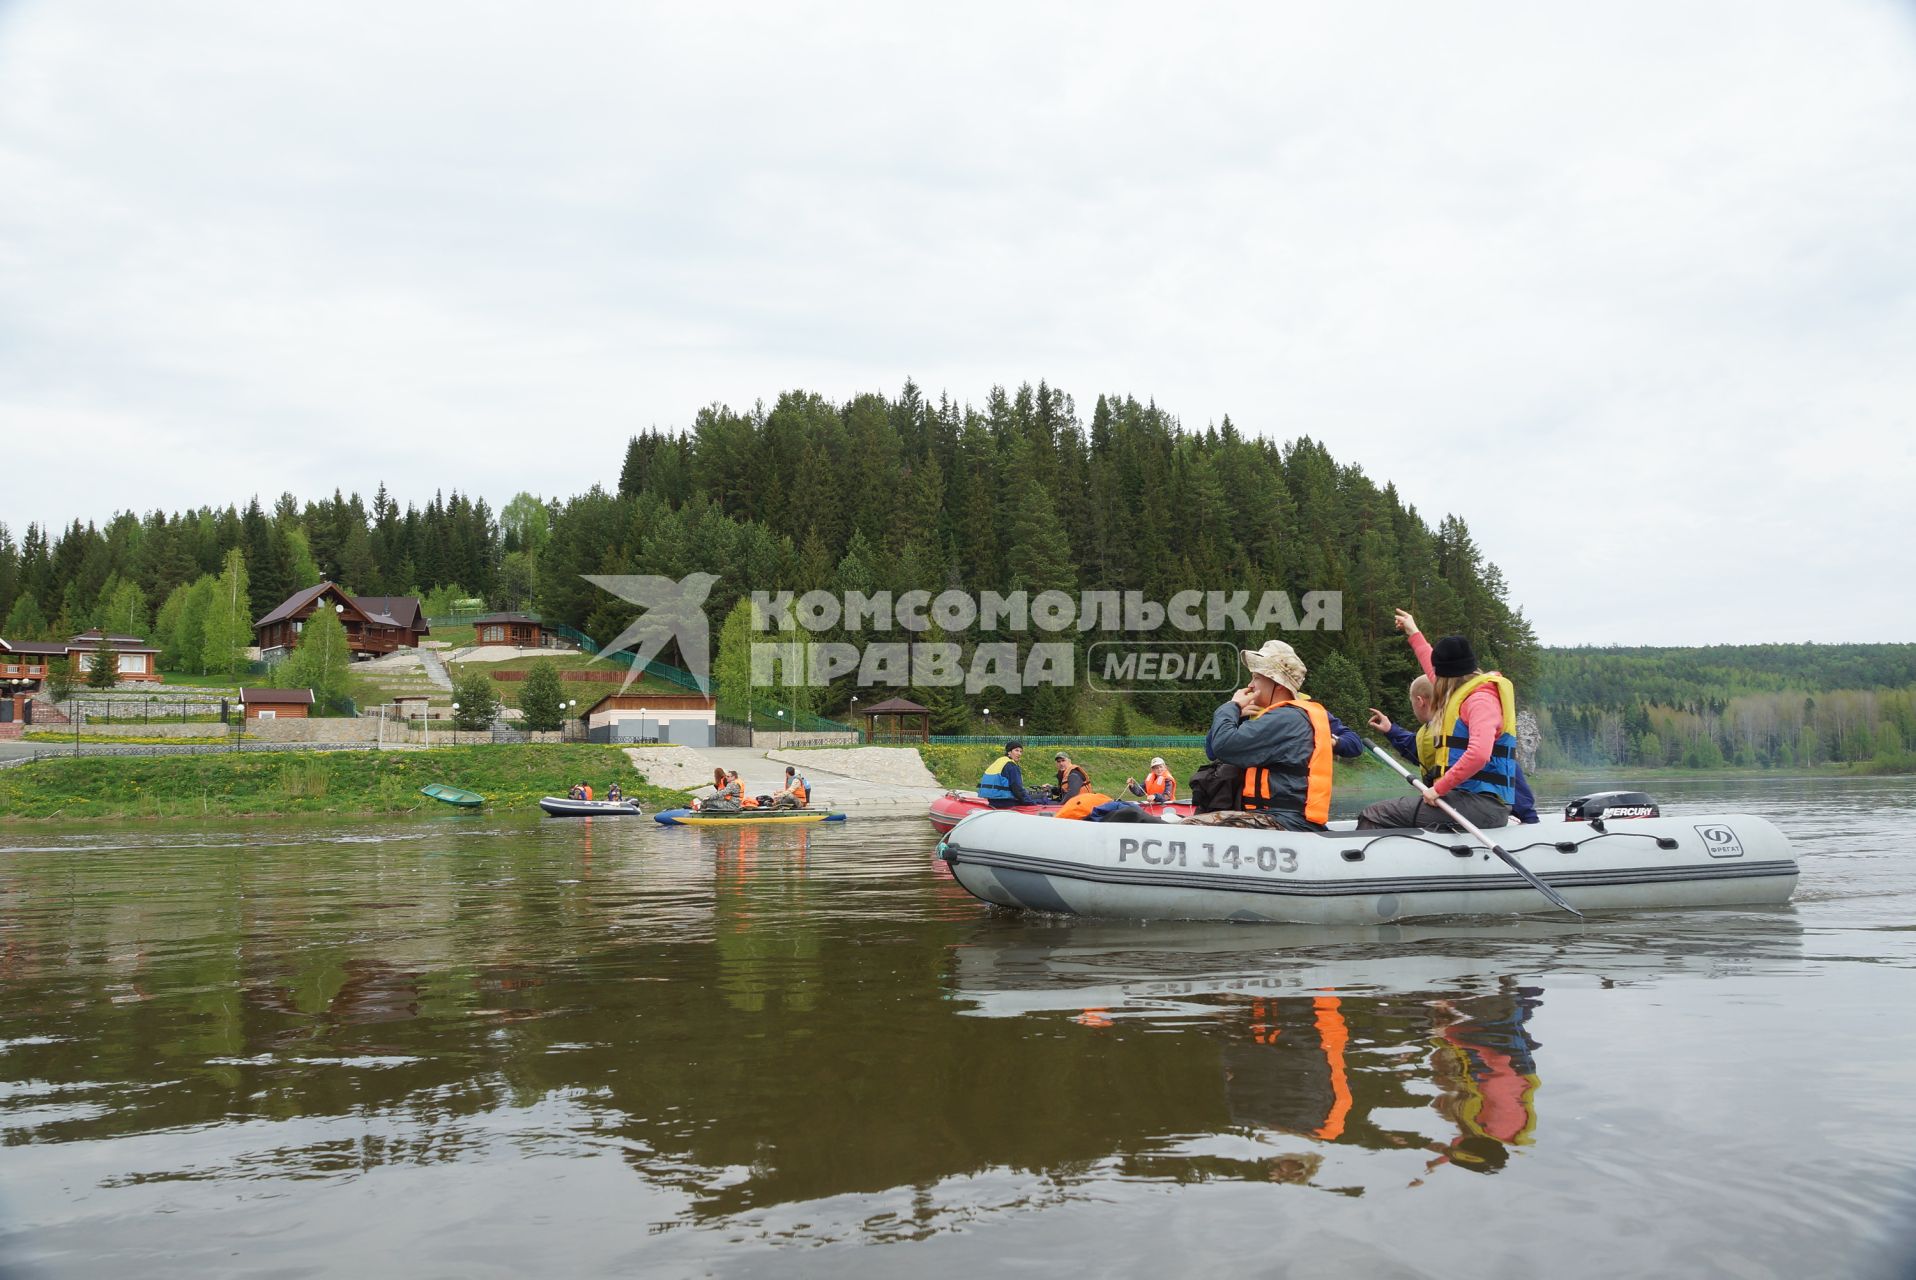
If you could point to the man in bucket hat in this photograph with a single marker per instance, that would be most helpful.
(1282, 744)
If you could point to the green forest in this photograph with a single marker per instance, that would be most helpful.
(1771, 705)
(1021, 492)
(900, 493)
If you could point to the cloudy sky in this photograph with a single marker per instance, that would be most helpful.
(1632, 287)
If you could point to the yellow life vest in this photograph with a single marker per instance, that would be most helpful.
(1428, 755)
(1498, 776)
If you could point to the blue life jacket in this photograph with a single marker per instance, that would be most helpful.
(994, 785)
(1498, 777)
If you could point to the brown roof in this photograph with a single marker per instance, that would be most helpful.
(34, 646)
(895, 707)
(298, 600)
(91, 639)
(397, 611)
(390, 611)
(506, 617)
(277, 697)
(687, 701)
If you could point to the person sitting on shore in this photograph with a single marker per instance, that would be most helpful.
(795, 794)
(1071, 777)
(1159, 787)
(1003, 783)
(1282, 743)
(1475, 734)
(1420, 748)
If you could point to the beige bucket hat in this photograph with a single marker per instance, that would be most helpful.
(1278, 661)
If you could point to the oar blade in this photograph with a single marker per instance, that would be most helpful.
(1536, 882)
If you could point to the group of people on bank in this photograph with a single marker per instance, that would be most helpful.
(729, 793)
(1270, 750)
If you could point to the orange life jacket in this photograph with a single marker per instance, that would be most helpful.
(1317, 794)
(588, 793)
(1081, 805)
(1164, 787)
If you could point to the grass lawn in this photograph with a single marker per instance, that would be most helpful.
(320, 782)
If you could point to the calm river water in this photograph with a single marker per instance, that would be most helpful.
(476, 1046)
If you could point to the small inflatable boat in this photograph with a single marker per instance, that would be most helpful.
(564, 807)
(948, 810)
(743, 817)
(1344, 876)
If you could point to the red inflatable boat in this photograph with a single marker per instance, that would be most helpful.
(952, 808)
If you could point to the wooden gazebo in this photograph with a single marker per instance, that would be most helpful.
(897, 715)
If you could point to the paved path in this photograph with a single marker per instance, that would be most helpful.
(764, 772)
(435, 669)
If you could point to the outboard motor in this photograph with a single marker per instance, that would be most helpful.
(1610, 804)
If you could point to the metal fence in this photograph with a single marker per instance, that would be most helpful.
(1068, 740)
(54, 751)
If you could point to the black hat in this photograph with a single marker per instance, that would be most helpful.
(1451, 656)
(1013, 745)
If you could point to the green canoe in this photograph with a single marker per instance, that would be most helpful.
(453, 795)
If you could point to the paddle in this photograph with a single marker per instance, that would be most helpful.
(1488, 843)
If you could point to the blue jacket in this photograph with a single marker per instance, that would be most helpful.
(1006, 787)
(1523, 808)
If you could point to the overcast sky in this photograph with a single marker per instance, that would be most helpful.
(1631, 287)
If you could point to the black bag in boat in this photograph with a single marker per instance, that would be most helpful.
(1215, 786)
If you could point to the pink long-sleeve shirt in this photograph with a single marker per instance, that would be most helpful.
(1483, 713)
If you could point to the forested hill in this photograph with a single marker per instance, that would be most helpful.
(1617, 677)
(1770, 704)
(878, 492)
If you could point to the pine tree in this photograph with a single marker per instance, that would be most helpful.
(1336, 682)
(542, 697)
(478, 701)
(103, 665)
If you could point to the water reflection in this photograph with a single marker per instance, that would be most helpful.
(752, 1018)
(1386, 1063)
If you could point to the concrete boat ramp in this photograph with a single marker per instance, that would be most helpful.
(876, 781)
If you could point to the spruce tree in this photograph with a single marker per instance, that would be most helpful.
(103, 665)
(542, 697)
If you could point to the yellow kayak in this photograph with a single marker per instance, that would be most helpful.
(744, 817)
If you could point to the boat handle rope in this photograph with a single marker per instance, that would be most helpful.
(1464, 850)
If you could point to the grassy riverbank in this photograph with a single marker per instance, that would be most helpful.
(321, 782)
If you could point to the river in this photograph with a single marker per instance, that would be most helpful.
(499, 1046)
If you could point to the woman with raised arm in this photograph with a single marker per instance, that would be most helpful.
(1475, 730)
